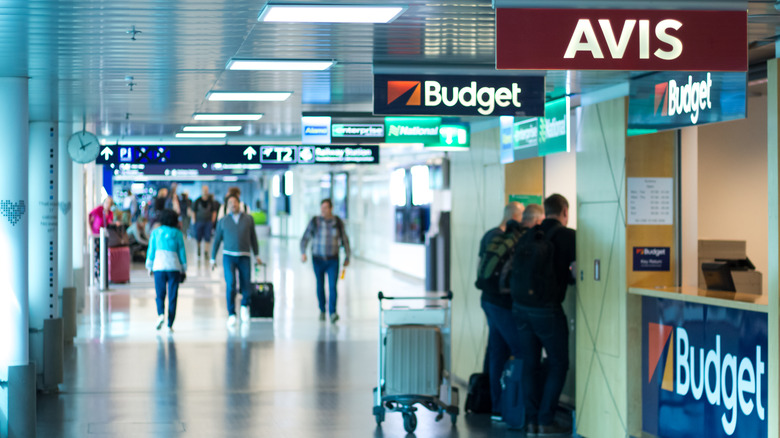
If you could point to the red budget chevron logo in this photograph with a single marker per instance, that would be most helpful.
(658, 336)
(661, 98)
(399, 90)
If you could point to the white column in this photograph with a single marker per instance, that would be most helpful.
(13, 232)
(42, 250)
(65, 211)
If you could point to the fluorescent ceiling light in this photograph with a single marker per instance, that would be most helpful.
(330, 13)
(254, 96)
(279, 64)
(231, 128)
(217, 116)
(201, 135)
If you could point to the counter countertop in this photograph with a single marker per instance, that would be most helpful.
(755, 303)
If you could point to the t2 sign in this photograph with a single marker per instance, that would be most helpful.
(604, 39)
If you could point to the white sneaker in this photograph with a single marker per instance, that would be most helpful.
(231, 321)
(244, 312)
(160, 321)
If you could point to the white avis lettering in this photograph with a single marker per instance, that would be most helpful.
(486, 97)
(584, 39)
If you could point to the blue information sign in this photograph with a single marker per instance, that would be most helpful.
(651, 258)
(704, 370)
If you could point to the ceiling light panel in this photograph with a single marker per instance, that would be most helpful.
(255, 96)
(329, 13)
(225, 116)
(230, 128)
(279, 64)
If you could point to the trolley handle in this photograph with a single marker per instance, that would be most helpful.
(446, 296)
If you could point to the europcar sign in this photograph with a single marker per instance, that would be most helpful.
(621, 39)
(704, 370)
(459, 95)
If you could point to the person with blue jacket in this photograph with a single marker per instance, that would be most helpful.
(166, 259)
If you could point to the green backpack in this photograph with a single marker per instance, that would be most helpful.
(495, 266)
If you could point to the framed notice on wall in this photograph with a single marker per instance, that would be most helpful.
(650, 201)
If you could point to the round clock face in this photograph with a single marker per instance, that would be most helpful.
(83, 147)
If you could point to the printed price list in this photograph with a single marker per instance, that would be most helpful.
(650, 201)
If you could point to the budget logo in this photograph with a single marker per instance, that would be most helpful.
(407, 92)
(710, 375)
(672, 99)
(661, 99)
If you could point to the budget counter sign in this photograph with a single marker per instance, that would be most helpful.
(704, 370)
(438, 95)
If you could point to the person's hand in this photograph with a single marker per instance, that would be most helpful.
(346, 262)
(183, 277)
(259, 262)
(213, 264)
(303, 258)
(151, 274)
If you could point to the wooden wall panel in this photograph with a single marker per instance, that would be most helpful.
(524, 177)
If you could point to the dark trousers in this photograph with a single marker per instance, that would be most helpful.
(503, 341)
(324, 266)
(169, 280)
(537, 328)
(243, 264)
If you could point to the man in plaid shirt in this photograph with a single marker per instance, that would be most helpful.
(327, 234)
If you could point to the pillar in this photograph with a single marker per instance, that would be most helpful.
(773, 161)
(65, 209)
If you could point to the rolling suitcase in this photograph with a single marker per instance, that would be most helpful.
(261, 300)
(413, 360)
(119, 264)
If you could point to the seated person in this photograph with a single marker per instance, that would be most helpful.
(139, 240)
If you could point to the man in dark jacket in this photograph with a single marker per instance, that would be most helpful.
(237, 229)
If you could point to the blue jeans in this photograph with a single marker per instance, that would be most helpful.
(331, 267)
(503, 341)
(170, 279)
(537, 328)
(244, 265)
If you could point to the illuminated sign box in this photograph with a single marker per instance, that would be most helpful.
(538, 136)
(430, 131)
(357, 131)
(458, 95)
(315, 130)
(621, 39)
(671, 100)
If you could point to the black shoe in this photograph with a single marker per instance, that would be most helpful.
(531, 429)
(554, 429)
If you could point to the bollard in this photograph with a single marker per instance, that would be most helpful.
(21, 401)
(68, 307)
(53, 355)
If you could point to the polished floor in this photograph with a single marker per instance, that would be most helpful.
(293, 376)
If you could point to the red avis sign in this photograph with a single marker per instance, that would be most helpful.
(603, 39)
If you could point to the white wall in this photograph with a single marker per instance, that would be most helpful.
(560, 176)
(733, 183)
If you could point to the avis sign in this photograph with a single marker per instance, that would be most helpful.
(603, 39)
(458, 95)
(704, 370)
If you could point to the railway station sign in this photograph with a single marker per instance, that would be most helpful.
(446, 95)
(621, 39)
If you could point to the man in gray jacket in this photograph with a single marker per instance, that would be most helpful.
(237, 229)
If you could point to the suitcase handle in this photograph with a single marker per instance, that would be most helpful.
(265, 271)
(446, 296)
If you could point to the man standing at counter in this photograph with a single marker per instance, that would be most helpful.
(540, 275)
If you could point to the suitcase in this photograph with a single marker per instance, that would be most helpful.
(261, 301)
(413, 360)
(119, 264)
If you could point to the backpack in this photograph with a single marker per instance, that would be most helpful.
(478, 398)
(495, 266)
(533, 282)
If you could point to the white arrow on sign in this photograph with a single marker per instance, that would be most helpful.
(250, 152)
(107, 152)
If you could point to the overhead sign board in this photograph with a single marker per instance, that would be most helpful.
(315, 130)
(458, 95)
(670, 100)
(536, 136)
(357, 131)
(239, 155)
(430, 131)
(621, 39)
(704, 370)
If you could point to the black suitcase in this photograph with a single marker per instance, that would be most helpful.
(261, 300)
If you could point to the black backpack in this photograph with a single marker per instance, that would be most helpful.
(495, 266)
(478, 398)
(533, 282)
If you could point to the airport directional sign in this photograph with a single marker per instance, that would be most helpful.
(252, 154)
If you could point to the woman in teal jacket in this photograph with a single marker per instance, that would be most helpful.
(166, 259)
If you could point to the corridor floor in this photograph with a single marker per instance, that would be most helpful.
(293, 376)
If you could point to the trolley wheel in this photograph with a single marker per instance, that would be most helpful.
(410, 422)
(379, 414)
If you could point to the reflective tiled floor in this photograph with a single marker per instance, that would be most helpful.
(291, 377)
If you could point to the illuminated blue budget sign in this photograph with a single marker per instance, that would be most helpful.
(704, 370)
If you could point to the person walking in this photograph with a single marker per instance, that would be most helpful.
(326, 231)
(166, 260)
(205, 214)
(237, 229)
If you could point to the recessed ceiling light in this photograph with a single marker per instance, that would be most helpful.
(254, 96)
(201, 135)
(279, 64)
(218, 116)
(330, 13)
(231, 128)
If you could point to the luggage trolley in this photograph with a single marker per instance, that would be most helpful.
(414, 359)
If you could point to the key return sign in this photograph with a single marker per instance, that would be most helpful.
(604, 39)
